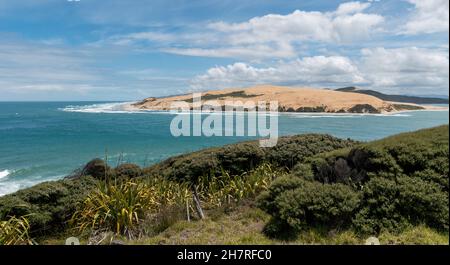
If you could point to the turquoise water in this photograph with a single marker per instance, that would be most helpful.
(48, 140)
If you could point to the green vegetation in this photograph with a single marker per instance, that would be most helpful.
(239, 158)
(14, 231)
(407, 107)
(117, 207)
(48, 206)
(309, 189)
(302, 109)
(383, 186)
(131, 207)
(237, 94)
(300, 204)
(363, 108)
(244, 225)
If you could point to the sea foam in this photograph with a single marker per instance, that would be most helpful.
(11, 185)
(121, 107)
(4, 173)
(99, 108)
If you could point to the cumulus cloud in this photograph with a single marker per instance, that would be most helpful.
(430, 16)
(404, 70)
(347, 23)
(309, 70)
(407, 70)
(282, 32)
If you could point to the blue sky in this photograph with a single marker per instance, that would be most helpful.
(127, 50)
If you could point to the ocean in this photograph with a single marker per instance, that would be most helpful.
(41, 141)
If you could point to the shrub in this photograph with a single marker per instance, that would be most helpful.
(424, 202)
(266, 200)
(291, 150)
(303, 170)
(317, 204)
(379, 209)
(398, 182)
(49, 205)
(96, 168)
(189, 168)
(242, 157)
(295, 204)
(239, 158)
(12, 205)
(128, 171)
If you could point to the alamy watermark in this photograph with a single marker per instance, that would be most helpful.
(226, 119)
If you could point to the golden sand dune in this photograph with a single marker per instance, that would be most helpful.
(290, 99)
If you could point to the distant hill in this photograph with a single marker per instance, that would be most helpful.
(396, 98)
(290, 99)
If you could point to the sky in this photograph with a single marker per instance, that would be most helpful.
(117, 50)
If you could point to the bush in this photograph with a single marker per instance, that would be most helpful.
(423, 202)
(49, 205)
(379, 208)
(317, 204)
(128, 171)
(304, 171)
(190, 167)
(381, 186)
(267, 199)
(294, 149)
(239, 158)
(96, 168)
(242, 157)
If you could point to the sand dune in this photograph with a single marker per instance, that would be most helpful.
(290, 99)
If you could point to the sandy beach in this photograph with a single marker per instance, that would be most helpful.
(290, 99)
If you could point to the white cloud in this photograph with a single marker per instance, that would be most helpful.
(351, 8)
(407, 70)
(272, 35)
(283, 32)
(309, 70)
(304, 26)
(430, 16)
(403, 70)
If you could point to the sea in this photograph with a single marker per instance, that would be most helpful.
(43, 141)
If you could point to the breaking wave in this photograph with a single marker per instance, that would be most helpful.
(4, 173)
(99, 108)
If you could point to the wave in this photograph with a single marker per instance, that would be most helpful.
(4, 173)
(99, 108)
(13, 184)
(122, 107)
